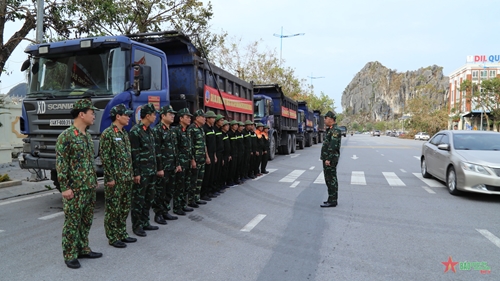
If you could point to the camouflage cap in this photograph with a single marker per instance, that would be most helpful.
(330, 114)
(148, 108)
(225, 123)
(259, 125)
(84, 104)
(248, 122)
(120, 109)
(234, 122)
(184, 111)
(218, 117)
(199, 112)
(240, 123)
(167, 109)
(210, 114)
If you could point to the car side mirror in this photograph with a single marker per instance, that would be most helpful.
(444, 146)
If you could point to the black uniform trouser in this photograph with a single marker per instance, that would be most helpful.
(206, 187)
(217, 179)
(241, 165)
(256, 164)
(265, 158)
(224, 171)
(247, 159)
(233, 169)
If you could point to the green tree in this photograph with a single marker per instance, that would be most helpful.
(490, 99)
(425, 116)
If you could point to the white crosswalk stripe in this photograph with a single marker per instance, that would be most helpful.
(393, 179)
(292, 176)
(429, 182)
(358, 178)
(320, 179)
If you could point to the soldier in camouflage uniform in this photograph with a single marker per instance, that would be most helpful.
(330, 153)
(145, 170)
(199, 153)
(186, 161)
(117, 163)
(207, 188)
(167, 160)
(78, 181)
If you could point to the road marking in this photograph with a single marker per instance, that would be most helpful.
(428, 189)
(263, 175)
(354, 157)
(51, 216)
(312, 168)
(358, 178)
(2, 231)
(418, 158)
(28, 198)
(320, 178)
(429, 182)
(253, 223)
(393, 179)
(402, 170)
(292, 176)
(390, 161)
(295, 184)
(295, 155)
(490, 236)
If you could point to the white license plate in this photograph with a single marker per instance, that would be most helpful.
(61, 122)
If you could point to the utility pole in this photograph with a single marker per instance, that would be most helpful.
(39, 21)
(281, 36)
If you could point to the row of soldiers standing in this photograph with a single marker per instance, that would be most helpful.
(186, 165)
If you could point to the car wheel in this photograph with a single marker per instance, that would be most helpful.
(451, 181)
(423, 169)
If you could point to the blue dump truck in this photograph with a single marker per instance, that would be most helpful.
(319, 126)
(279, 112)
(160, 68)
(308, 121)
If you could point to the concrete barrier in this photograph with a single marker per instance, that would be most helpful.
(10, 133)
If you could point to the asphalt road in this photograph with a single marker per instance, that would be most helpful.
(389, 225)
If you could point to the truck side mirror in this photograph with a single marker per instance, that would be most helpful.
(271, 108)
(142, 77)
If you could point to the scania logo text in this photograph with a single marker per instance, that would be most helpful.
(41, 107)
(60, 106)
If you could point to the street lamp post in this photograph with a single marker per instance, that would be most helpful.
(281, 36)
(315, 77)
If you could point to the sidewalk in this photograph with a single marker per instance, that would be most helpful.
(27, 187)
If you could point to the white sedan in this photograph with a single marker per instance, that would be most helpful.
(421, 136)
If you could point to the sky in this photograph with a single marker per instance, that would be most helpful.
(341, 37)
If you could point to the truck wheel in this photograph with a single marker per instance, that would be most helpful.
(53, 177)
(308, 140)
(320, 138)
(293, 144)
(288, 147)
(301, 143)
(272, 148)
(315, 140)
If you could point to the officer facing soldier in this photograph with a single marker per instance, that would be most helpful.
(167, 160)
(78, 181)
(145, 170)
(118, 179)
(330, 153)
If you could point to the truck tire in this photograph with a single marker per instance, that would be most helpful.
(301, 144)
(288, 146)
(272, 147)
(53, 177)
(293, 144)
(320, 138)
(315, 139)
(308, 139)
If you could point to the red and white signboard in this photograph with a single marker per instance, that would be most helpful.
(233, 103)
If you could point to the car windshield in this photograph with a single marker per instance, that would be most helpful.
(476, 141)
(77, 74)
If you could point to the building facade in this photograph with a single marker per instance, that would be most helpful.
(465, 112)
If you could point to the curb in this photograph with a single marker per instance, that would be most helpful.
(10, 183)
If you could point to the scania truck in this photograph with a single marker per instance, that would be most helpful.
(160, 68)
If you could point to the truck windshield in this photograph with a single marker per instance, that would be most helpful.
(259, 108)
(77, 74)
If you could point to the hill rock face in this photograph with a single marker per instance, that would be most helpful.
(382, 93)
